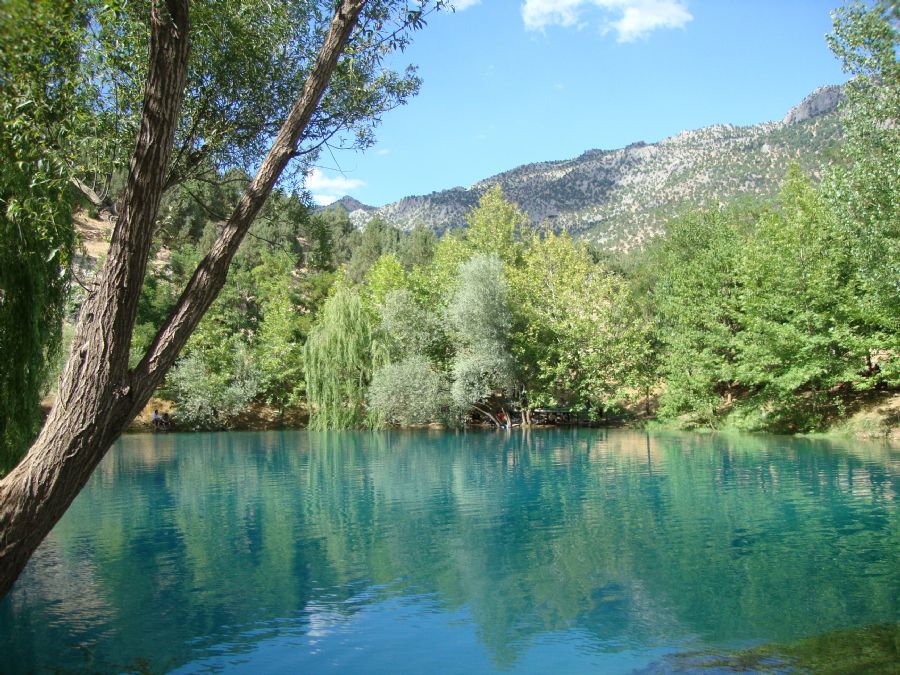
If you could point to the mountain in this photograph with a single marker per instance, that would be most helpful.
(621, 197)
(350, 205)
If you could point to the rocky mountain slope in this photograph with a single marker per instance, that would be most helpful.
(621, 197)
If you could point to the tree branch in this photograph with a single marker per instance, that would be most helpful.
(209, 277)
(95, 402)
(92, 196)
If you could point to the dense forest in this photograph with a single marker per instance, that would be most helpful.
(753, 315)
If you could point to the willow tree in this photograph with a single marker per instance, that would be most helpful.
(341, 354)
(36, 235)
(98, 393)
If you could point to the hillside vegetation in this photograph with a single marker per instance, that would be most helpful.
(765, 313)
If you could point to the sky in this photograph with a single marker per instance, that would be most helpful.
(510, 82)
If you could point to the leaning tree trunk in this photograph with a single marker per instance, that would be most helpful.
(95, 400)
(98, 394)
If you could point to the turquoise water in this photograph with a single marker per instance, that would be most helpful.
(544, 552)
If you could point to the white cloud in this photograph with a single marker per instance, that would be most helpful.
(630, 19)
(460, 5)
(639, 21)
(538, 14)
(325, 200)
(325, 189)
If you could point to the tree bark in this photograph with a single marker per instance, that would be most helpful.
(92, 406)
(209, 277)
(98, 395)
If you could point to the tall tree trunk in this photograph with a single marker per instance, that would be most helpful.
(95, 401)
(98, 395)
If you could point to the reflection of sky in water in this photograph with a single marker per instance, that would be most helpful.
(558, 551)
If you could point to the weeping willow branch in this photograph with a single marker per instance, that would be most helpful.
(341, 356)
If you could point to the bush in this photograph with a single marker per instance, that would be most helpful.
(211, 400)
(410, 392)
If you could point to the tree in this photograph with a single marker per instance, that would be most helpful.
(478, 311)
(210, 398)
(496, 225)
(797, 339)
(330, 234)
(384, 276)
(246, 62)
(378, 238)
(864, 192)
(98, 393)
(480, 320)
(570, 334)
(435, 282)
(340, 356)
(38, 47)
(411, 329)
(278, 344)
(697, 300)
(417, 247)
(410, 391)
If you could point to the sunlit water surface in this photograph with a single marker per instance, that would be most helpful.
(543, 552)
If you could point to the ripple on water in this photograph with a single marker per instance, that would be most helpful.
(564, 551)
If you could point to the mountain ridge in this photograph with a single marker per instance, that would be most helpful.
(621, 197)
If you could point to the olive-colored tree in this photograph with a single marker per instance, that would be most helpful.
(480, 319)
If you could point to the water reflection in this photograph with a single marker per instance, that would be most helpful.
(573, 546)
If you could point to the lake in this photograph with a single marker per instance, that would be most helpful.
(550, 551)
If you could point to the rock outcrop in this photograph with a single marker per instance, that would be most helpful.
(620, 198)
(823, 100)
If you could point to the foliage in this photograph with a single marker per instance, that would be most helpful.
(478, 312)
(495, 226)
(330, 238)
(375, 240)
(385, 276)
(568, 344)
(38, 49)
(248, 62)
(696, 304)
(865, 192)
(278, 343)
(435, 282)
(477, 374)
(211, 398)
(265, 311)
(417, 247)
(408, 392)
(340, 357)
(480, 320)
(798, 333)
(410, 329)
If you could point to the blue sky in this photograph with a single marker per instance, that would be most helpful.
(508, 82)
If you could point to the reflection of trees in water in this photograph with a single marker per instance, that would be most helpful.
(632, 538)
